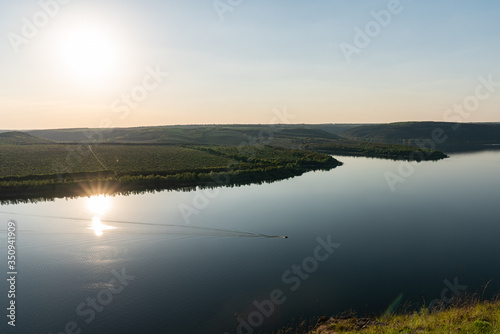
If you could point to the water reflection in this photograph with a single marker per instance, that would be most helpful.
(98, 227)
(99, 205)
(405, 242)
(107, 188)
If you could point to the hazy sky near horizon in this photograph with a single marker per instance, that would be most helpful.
(93, 62)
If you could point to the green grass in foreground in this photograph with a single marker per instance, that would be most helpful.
(473, 317)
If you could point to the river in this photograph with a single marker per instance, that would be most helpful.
(195, 261)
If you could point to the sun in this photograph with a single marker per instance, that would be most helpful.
(89, 53)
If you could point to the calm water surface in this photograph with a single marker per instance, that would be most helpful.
(442, 223)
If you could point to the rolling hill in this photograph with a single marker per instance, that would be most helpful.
(312, 137)
(187, 134)
(20, 138)
(444, 135)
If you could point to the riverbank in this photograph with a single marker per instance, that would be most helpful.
(53, 170)
(268, 165)
(470, 316)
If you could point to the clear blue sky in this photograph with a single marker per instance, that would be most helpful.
(264, 55)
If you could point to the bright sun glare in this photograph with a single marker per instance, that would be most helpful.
(98, 227)
(89, 53)
(98, 205)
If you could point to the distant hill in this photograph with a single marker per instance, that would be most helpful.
(410, 133)
(310, 137)
(20, 138)
(78, 134)
(459, 135)
(188, 134)
(336, 129)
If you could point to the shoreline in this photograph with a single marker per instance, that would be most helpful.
(470, 317)
(467, 314)
(205, 166)
(50, 188)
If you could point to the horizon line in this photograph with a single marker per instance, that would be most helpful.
(239, 124)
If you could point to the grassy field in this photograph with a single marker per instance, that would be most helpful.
(26, 160)
(22, 160)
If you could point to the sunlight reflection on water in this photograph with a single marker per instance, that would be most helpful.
(99, 205)
(98, 227)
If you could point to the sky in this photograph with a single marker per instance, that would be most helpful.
(92, 63)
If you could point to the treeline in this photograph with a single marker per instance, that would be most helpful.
(387, 151)
(54, 187)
